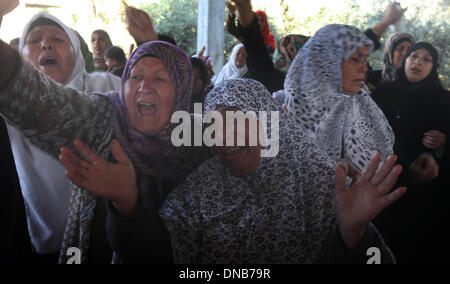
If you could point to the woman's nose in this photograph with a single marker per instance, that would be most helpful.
(146, 86)
(46, 45)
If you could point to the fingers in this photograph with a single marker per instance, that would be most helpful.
(118, 153)
(85, 152)
(371, 169)
(72, 158)
(344, 167)
(74, 164)
(340, 181)
(384, 171)
(385, 186)
(385, 201)
(200, 53)
(431, 169)
(78, 179)
(434, 140)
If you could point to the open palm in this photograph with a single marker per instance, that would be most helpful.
(112, 181)
(357, 206)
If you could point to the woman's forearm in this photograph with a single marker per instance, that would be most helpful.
(49, 114)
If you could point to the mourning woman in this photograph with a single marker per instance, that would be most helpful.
(240, 207)
(327, 97)
(395, 50)
(54, 50)
(417, 108)
(156, 82)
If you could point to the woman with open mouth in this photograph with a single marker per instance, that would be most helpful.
(54, 50)
(417, 108)
(156, 82)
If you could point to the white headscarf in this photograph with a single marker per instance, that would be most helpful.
(230, 70)
(344, 126)
(44, 185)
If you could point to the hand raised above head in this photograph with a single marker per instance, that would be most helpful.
(393, 13)
(140, 25)
(7, 6)
(112, 181)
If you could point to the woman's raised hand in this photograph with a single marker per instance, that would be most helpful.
(140, 25)
(357, 206)
(112, 181)
(7, 6)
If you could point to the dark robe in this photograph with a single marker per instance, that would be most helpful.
(15, 245)
(416, 226)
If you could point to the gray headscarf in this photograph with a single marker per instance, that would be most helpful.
(389, 73)
(344, 126)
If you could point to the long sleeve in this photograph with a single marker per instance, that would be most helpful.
(366, 250)
(142, 237)
(50, 115)
(259, 63)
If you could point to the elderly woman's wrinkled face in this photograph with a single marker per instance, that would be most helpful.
(242, 160)
(418, 65)
(241, 58)
(50, 50)
(149, 96)
(399, 53)
(354, 70)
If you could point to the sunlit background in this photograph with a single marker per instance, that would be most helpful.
(428, 20)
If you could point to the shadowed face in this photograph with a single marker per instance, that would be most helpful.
(50, 50)
(149, 96)
(242, 160)
(354, 70)
(241, 58)
(399, 53)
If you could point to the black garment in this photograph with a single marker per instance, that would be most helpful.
(416, 226)
(374, 77)
(143, 237)
(259, 62)
(15, 245)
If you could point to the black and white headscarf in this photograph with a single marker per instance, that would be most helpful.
(281, 213)
(344, 126)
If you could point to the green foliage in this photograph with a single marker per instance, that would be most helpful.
(176, 18)
(426, 21)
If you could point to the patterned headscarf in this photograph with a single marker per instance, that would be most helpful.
(269, 39)
(343, 126)
(151, 155)
(287, 49)
(154, 154)
(281, 213)
(389, 73)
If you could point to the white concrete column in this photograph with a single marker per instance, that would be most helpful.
(210, 30)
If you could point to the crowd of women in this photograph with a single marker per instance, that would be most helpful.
(88, 161)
